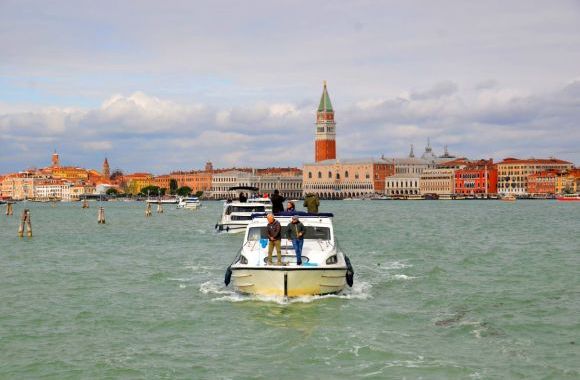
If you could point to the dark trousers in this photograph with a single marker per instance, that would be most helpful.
(297, 244)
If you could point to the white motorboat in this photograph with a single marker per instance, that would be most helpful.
(163, 200)
(191, 203)
(237, 215)
(325, 268)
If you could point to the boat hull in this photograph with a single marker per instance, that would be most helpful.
(288, 281)
(568, 199)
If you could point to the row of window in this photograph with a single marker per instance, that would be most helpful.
(346, 174)
(403, 184)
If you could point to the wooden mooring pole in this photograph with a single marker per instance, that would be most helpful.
(148, 210)
(85, 203)
(101, 215)
(25, 221)
(9, 209)
(159, 208)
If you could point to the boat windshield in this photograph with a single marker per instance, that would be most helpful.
(312, 233)
(256, 209)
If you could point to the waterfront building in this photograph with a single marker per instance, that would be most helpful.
(513, 173)
(137, 181)
(325, 142)
(287, 182)
(200, 180)
(542, 183)
(477, 178)
(405, 183)
(336, 179)
(440, 182)
(20, 186)
(404, 186)
(568, 182)
(50, 189)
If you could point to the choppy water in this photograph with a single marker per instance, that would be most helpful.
(443, 290)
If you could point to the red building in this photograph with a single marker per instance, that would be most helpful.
(476, 178)
(543, 183)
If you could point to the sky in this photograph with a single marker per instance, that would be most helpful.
(167, 85)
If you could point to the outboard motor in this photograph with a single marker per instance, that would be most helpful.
(349, 271)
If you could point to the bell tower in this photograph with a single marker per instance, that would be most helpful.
(106, 169)
(325, 145)
(55, 160)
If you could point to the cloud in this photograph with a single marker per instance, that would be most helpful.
(143, 132)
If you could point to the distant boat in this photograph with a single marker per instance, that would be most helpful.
(191, 203)
(164, 200)
(509, 198)
(568, 198)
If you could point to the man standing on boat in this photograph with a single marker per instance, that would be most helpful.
(277, 202)
(311, 202)
(274, 231)
(295, 232)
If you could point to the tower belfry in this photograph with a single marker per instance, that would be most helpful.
(106, 169)
(325, 146)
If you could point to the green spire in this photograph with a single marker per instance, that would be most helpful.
(325, 105)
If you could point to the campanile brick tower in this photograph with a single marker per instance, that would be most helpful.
(325, 148)
(106, 169)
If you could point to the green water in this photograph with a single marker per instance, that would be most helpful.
(443, 290)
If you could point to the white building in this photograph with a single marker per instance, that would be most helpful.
(437, 181)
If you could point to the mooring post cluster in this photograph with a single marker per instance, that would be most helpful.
(159, 208)
(148, 210)
(9, 209)
(25, 222)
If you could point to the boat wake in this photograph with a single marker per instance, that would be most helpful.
(359, 291)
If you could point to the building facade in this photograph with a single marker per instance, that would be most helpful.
(440, 182)
(337, 179)
(542, 183)
(513, 173)
(568, 182)
(289, 186)
(477, 178)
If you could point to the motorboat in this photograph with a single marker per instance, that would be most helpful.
(163, 200)
(325, 268)
(191, 203)
(568, 198)
(237, 215)
(509, 198)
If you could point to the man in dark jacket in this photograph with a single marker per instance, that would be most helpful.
(277, 202)
(295, 232)
(274, 231)
(311, 202)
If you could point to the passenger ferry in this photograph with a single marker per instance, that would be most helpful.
(325, 268)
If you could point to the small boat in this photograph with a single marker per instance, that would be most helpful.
(568, 198)
(191, 203)
(163, 200)
(509, 198)
(325, 268)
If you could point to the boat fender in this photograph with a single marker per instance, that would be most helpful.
(349, 272)
(216, 226)
(228, 276)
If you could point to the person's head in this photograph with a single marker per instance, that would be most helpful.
(276, 192)
(295, 219)
(290, 205)
(270, 218)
